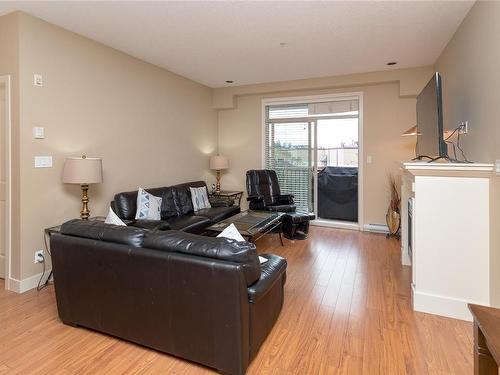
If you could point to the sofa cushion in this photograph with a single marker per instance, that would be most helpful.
(199, 198)
(148, 206)
(183, 201)
(270, 273)
(182, 196)
(125, 205)
(189, 223)
(168, 207)
(98, 230)
(216, 214)
(243, 253)
(151, 224)
(282, 208)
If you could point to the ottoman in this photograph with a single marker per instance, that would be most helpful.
(296, 225)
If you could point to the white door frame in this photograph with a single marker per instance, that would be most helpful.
(5, 81)
(361, 158)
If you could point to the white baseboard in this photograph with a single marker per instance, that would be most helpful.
(2, 266)
(442, 305)
(335, 224)
(376, 228)
(21, 286)
(405, 258)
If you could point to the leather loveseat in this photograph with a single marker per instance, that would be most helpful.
(176, 209)
(204, 299)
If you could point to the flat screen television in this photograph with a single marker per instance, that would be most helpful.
(430, 133)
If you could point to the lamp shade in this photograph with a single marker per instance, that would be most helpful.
(82, 171)
(218, 162)
(412, 131)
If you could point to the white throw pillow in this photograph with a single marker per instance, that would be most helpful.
(113, 218)
(148, 206)
(232, 233)
(199, 197)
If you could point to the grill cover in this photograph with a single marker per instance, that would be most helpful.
(338, 193)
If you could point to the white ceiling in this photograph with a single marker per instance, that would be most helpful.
(214, 41)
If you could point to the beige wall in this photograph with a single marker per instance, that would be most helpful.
(151, 127)
(469, 66)
(9, 65)
(3, 156)
(386, 115)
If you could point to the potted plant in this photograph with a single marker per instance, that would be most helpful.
(393, 215)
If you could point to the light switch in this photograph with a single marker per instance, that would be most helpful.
(368, 159)
(43, 161)
(38, 132)
(38, 80)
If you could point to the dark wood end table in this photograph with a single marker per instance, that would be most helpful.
(236, 195)
(56, 229)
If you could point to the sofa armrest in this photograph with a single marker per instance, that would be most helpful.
(255, 198)
(286, 199)
(221, 202)
(151, 224)
(271, 272)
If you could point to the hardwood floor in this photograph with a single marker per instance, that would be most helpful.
(347, 311)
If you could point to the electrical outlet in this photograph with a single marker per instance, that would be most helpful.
(464, 127)
(39, 256)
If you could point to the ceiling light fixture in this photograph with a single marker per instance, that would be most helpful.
(229, 81)
(392, 63)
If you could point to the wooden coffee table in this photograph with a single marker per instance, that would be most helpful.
(252, 224)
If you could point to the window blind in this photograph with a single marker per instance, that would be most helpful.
(288, 152)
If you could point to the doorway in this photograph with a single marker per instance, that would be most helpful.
(315, 146)
(5, 171)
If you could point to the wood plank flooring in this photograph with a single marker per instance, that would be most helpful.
(347, 311)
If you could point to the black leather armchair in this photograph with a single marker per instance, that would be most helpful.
(264, 192)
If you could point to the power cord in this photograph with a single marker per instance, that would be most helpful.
(460, 148)
(40, 285)
(457, 131)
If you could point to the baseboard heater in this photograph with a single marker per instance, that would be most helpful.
(376, 228)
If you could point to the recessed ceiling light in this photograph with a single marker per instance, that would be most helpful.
(229, 81)
(392, 63)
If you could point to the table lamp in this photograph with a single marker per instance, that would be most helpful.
(218, 163)
(83, 171)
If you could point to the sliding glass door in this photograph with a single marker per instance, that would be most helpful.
(288, 151)
(305, 142)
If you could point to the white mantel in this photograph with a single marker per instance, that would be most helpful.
(446, 166)
(450, 235)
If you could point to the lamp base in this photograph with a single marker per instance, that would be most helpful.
(85, 212)
(217, 185)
